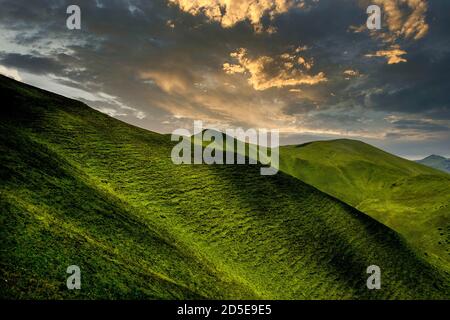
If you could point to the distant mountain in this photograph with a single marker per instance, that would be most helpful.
(406, 196)
(437, 162)
(80, 188)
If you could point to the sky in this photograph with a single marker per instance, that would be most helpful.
(309, 68)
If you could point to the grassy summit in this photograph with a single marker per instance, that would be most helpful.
(410, 198)
(78, 187)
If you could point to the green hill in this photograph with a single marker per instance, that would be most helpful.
(437, 162)
(81, 188)
(410, 198)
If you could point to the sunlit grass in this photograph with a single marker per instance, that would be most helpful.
(78, 187)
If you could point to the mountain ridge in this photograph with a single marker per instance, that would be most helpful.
(79, 187)
(436, 161)
(409, 197)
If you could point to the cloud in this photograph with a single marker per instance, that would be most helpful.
(169, 82)
(233, 68)
(229, 12)
(220, 104)
(351, 73)
(393, 55)
(173, 66)
(419, 124)
(265, 72)
(10, 72)
(405, 18)
(117, 107)
(33, 63)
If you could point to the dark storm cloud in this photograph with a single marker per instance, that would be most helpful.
(420, 125)
(299, 107)
(34, 64)
(419, 86)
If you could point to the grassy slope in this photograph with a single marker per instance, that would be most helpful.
(408, 197)
(78, 187)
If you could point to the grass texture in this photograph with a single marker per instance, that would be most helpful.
(79, 187)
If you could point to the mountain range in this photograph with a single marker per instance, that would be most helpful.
(81, 188)
(437, 162)
(408, 197)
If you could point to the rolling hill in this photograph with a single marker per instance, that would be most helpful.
(81, 188)
(410, 198)
(437, 162)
